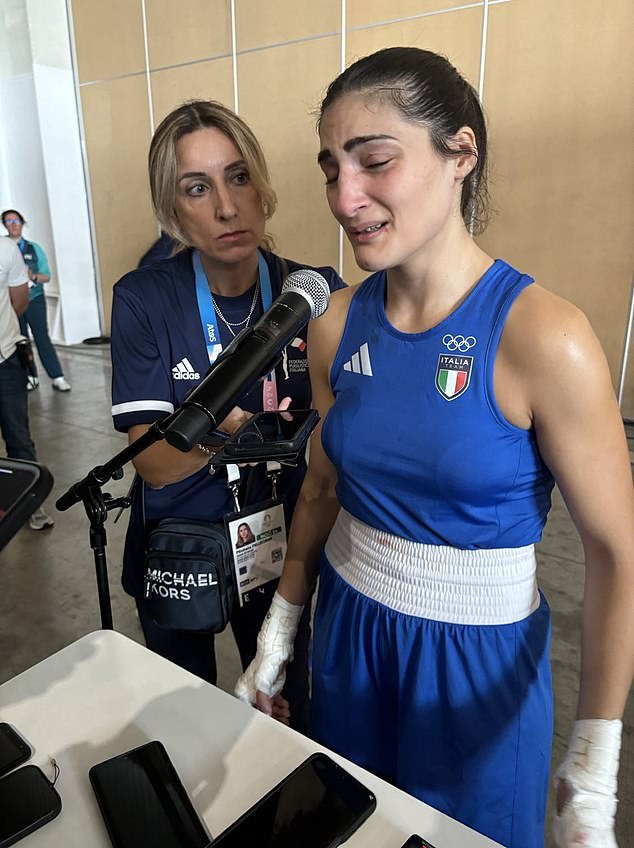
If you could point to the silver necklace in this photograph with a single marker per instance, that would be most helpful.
(231, 324)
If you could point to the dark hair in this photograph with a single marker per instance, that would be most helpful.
(426, 89)
(13, 212)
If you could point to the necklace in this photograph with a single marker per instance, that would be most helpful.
(231, 324)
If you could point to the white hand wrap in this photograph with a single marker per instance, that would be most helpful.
(267, 672)
(590, 769)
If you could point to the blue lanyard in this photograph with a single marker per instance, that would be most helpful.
(206, 308)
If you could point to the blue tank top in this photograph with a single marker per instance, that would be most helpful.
(421, 448)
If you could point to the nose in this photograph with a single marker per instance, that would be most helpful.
(347, 197)
(226, 207)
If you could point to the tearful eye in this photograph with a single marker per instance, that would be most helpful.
(373, 165)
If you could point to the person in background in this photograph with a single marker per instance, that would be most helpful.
(212, 194)
(35, 314)
(14, 413)
(453, 392)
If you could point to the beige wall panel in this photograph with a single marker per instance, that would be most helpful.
(187, 30)
(205, 80)
(117, 125)
(262, 23)
(277, 103)
(108, 38)
(558, 92)
(363, 12)
(456, 35)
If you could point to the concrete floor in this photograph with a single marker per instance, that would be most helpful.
(48, 594)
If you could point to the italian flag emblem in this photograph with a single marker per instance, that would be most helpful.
(300, 344)
(453, 375)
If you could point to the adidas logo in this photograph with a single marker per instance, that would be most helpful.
(359, 363)
(185, 371)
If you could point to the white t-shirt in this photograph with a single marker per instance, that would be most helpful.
(13, 273)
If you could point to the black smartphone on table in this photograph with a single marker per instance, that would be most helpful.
(13, 749)
(143, 802)
(23, 487)
(318, 805)
(280, 435)
(28, 800)
(416, 841)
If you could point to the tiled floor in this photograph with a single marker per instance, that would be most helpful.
(48, 595)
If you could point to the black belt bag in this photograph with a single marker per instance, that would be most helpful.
(189, 581)
(25, 353)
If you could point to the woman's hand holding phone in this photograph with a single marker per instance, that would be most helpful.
(213, 442)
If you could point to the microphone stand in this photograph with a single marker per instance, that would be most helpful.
(98, 504)
(189, 421)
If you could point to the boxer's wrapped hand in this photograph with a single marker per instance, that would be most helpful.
(267, 672)
(586, 786)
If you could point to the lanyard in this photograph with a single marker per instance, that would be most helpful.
(209, 320)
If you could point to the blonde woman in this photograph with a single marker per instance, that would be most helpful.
(212, 194)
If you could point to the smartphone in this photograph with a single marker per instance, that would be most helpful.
(13, 749)
(23, 487)
(416, 842)
(143, 802)
(271, 435)
(28, 800)
(319, 805)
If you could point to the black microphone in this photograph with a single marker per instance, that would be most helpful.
(253, 354)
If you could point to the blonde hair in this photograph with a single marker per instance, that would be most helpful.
(187, 118)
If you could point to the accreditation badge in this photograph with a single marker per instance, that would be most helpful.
(258, 546)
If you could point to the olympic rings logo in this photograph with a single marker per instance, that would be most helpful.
(461, 343)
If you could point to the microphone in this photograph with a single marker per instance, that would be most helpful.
(253, 354)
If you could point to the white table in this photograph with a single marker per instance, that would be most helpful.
(105, 694)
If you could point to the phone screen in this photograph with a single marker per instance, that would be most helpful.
(144, 803)
(316, 806)
(13, 749)
(27, 801)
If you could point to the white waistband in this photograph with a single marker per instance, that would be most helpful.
(485, 586)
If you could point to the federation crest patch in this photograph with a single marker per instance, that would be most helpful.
(453, 375)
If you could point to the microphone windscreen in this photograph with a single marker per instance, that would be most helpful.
(312, 286)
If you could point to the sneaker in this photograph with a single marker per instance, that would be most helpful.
(31, 383)
(39, 520)
(60, 384)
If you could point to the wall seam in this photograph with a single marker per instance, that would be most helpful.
(235, 52)
(626, 348)
(342, 67)
(483, 54)
(234, 57)
(157, 70)
(483, 48)
(148, 80)
(84, 160)
(420, 15)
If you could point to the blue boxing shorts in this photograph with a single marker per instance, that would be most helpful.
(460, 716)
